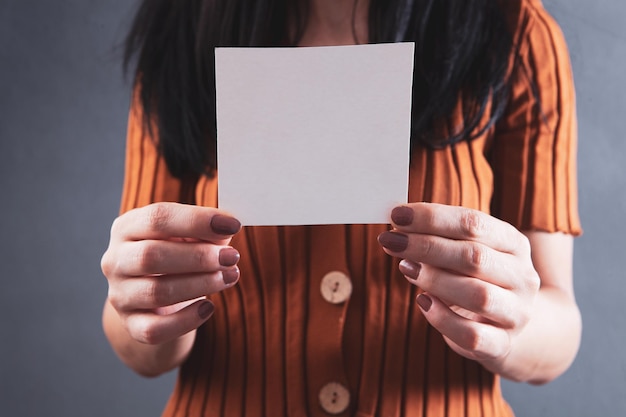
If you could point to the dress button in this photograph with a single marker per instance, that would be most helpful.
(336, 287)
(334, 398)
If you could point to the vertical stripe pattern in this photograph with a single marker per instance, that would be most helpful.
(274, 341)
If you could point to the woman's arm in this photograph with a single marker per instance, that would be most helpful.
(549, 342)
(162, 263)
(490, 298)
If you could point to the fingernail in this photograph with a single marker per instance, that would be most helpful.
(410, 269)
(402, 215)
(205, 310)
(225, 225)
(229, 257)
(394, 241)
(230, 276)
(424, 301)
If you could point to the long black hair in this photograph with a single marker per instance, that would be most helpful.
(463, 49)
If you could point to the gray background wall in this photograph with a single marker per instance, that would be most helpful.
(63, 108)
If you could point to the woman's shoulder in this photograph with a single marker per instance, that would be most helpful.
(538, 38)
(532, 22)
(525, 5)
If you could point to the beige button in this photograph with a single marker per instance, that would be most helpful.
(336, 287)
(334, 398)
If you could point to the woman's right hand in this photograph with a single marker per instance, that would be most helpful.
(163, 260)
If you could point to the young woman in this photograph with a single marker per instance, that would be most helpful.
(472, 282)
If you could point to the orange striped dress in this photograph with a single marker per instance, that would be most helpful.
(278, 346)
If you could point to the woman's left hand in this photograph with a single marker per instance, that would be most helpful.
(476, 272)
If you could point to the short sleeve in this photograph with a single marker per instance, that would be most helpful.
(146, 177)
(534, 148)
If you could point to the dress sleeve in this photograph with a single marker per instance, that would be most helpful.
(534, 148)
(146, 178)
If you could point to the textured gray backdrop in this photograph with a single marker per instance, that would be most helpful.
(63, 107)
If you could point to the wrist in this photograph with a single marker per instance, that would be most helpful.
(146, 360)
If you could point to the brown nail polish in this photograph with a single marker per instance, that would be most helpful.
(229, 257)
(230, 276)
(402, 215)
(205, 310)
(424, 301)
(225, 225)
(410, 269)
(394, 241)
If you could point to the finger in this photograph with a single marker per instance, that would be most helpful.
(171, 220)
(166, 290)
(459, 223)
(153, 329)
(476, 340)
(148, 257)
(477, 296)
(463, 257)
